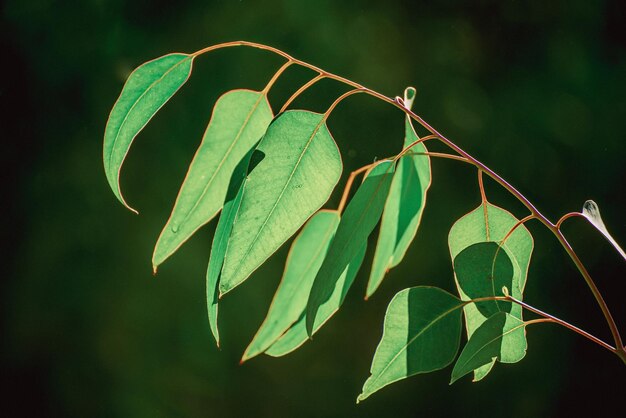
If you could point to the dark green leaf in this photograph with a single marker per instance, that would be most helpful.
(358, 221)
(421, 334)
(299, 169)
(239, 120)
(148, 88)
(501, 337)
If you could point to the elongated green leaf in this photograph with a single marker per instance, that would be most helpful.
(297, 334)
(492, 223)
(147, 89)
(404, 206)
(591, 211)
(358, 221)
(300, 167)
(501, 337)
(304, 260)
(220, 239)
(421, 334)
(239, 120)
(482, 270)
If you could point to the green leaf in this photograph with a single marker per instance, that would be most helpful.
(220, 239)
(299, 169)
(297, 334)
(482, 270)
(404, 206)
(304, 260)
(501, 337)
(147, 89)
(360, 218)
(239, 120)
(492, 223)
(421, 334)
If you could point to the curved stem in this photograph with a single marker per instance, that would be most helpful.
(348, 186)
(481, 186)
(300, 91)
(440, 155)
(620, 350)
(412, 144)
(340, 99)
(567, 216)
(276, 75)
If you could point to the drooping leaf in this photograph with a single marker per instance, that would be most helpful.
(220, 238)
(421, 334)
(239, 120)
(147, 89)
(300, 167)
(501, 337)
(482, 269)
(358, 221)
(297, 334)
(492, 223)
(404, 206)
(304, 260)
(591, 211)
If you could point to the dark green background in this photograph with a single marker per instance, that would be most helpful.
(535, 89)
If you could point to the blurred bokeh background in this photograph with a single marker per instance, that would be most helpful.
(536, 89)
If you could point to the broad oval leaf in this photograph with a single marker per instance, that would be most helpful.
(421, 334)
(147, 89)
(404, 206)
(501, 337)
(239, 120)
(482, 270)
(591, 211)
(220, 239)
(491, 223)
(297, 334)
(304, 260)
(300, 167)
(358, 221)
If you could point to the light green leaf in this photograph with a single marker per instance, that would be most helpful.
(147, 89)
(297, 334)
(300, 167)
(421, 334)
(358, 221)
(239, 120)
(591, 211)
(501, 337)
(492, 223)
(304, 260)
(482, 270)
(404, 206)
(220, 239)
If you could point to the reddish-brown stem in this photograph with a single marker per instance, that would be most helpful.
(412, 144)
(567, 216)
(300, 90)
(348, 186)
(481, 186)
(440, 155)
(276, 75)
(620, 350)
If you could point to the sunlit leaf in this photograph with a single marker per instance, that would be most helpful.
(358, 221)
(148, 88)
(501, 337)
(492, 223)
(421, 334)
(299, 168)
(220, 239)
(482, 269)
(303, 262)
(591, 211)
(404, 206)
(297, 334)
(239, 120)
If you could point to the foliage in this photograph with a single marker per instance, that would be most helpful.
(271, 175)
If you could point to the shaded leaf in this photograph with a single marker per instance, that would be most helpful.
(482, 269)
(358, 221)
(303, 262)
(220, 239)
(297, 334)
(239, 120)
(492, 223)
(147, 89)
(501, 337)
(591, 211)
(300, 168)
(404, 206)
(421, 334)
